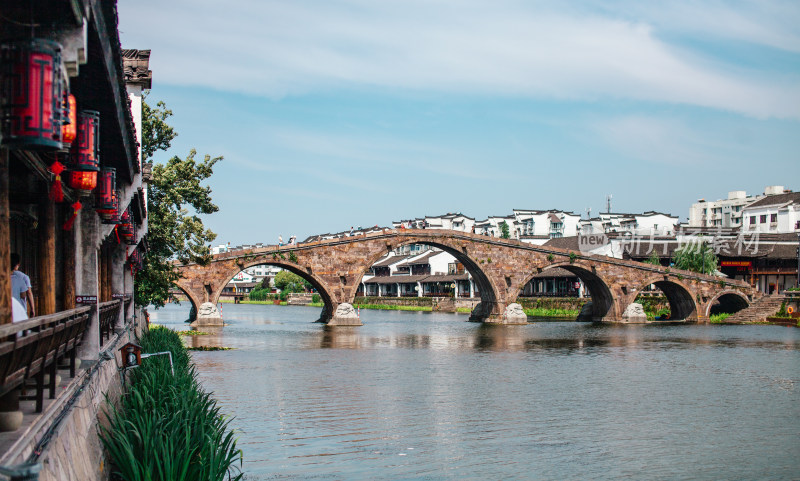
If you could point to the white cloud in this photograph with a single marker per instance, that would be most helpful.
(508, 48)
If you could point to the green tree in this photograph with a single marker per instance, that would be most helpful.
(173, 232)
(697, 257)
(653, 259)
(504, 230)
(290, 282)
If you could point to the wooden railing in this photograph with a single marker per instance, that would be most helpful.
(109, 313)
(30, 348)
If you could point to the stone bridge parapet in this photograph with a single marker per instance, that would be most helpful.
(499, 267)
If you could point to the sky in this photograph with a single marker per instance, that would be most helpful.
(339, 113)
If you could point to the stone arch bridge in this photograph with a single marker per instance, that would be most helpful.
(500, 267)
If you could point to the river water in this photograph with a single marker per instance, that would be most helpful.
(430, 396)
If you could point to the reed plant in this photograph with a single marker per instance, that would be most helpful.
(166, 427)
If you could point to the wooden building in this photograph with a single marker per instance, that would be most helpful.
(72, 193)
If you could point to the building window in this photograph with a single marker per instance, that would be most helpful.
(763, 219)
(752, 219)
(773, 218)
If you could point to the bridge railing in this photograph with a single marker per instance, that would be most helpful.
(32, 347)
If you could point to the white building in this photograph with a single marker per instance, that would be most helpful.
(448, 221)
(537, 226)
(649, 223)
(774, 214)
(726, 213)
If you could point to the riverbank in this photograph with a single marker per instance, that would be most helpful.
(538, 312)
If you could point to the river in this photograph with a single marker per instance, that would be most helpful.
(429, 396)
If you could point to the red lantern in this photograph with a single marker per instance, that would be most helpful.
(85, 150)
(31, 93)
(82, 180)
(112, 216)
(69, 129)
(126, 226)
(105, 192)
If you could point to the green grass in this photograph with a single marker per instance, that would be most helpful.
(544, 312)
(384, 307)
(194, 333)
(167, 428)
(209, 348)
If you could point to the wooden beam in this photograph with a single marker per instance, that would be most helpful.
(69, 264)
(5, 242)
(46, 300)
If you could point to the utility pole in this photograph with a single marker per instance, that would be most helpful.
(608, 204)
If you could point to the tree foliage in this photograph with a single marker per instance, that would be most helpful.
(696, 257)
(174, 233)
(653, 259)
(504, 233)
(291, 282)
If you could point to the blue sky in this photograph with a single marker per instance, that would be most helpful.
(338, 113)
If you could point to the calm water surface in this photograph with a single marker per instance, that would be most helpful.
(431, 396)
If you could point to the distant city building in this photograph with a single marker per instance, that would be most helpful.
(726, 213)
(774, 214)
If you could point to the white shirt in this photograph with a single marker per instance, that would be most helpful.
(20, 283)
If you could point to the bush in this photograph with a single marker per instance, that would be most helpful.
(315, 299)
(167, 427)
(718, 318)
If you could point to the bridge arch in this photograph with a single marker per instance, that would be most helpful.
(601, 295)
(320, 286)
(682, 305)
(487, 288)
(181, 284)
(727, 301)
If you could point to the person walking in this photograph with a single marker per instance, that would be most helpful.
(280, 240)
(21, 286)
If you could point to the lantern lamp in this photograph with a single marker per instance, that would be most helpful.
(105, 192)
(86, 148)
(82, 180)
(111, 216)
(125, 227)
(31, 99)
(69, 127)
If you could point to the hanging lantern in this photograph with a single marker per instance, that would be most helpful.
(31, 94)
(69, 127)
(125, 229)
(86, 148)
(82, 180)
(105, 192)
(112, 215)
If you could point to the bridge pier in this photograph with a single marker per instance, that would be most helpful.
(343, 315)
(499, 313)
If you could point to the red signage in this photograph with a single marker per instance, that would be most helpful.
(736, 263)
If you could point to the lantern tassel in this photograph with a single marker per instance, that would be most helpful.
(76, 206)
(56, 189)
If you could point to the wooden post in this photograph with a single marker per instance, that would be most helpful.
(5, 242)
(69, 269)
(46, 301)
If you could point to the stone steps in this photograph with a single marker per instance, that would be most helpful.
(758, 310)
